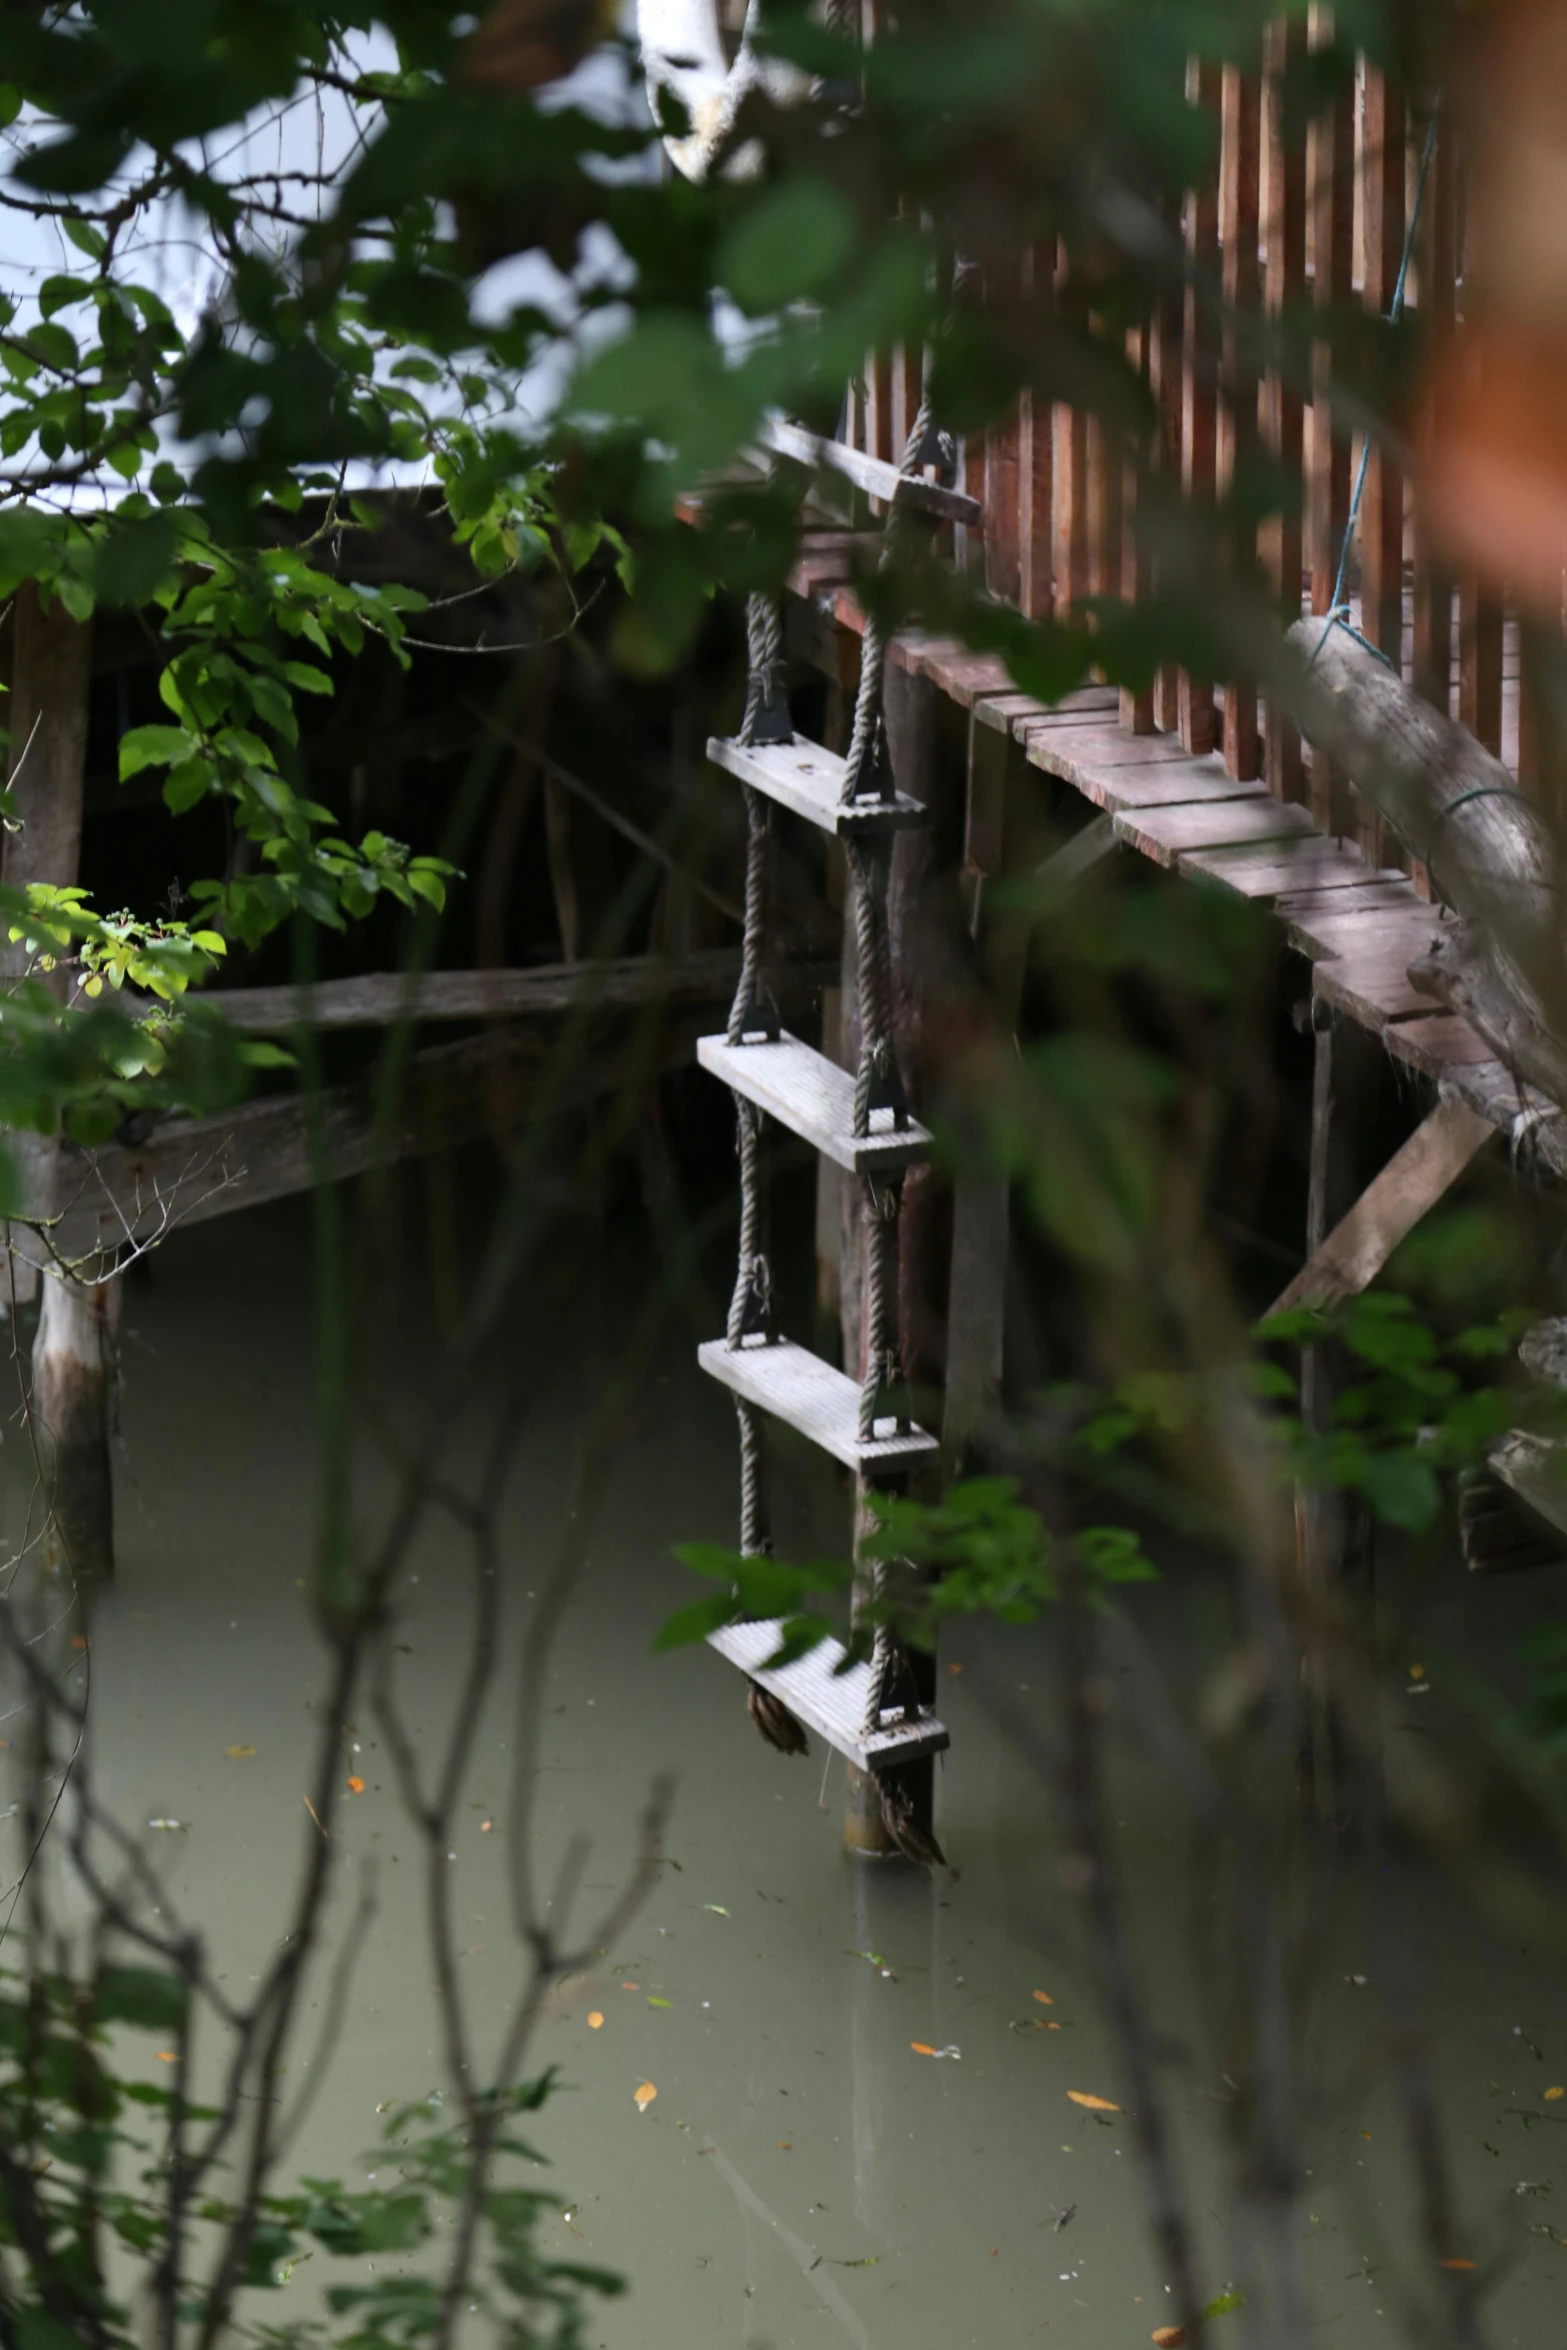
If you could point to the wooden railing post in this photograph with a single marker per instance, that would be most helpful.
(1199, 410)
(1284, 165)
(1241, 108)
(1330, 173)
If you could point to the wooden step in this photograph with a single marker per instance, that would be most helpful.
(799, 1388)
(875, 475)
(827, 1701)
(814, 1098)
(804, 778)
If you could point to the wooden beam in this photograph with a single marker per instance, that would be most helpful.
(380, 999)
(1409, 1186)
(190, 1170)
(878, 477)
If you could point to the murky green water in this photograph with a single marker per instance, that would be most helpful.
(804, 2175)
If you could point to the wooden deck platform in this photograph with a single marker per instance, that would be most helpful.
(1359, 926)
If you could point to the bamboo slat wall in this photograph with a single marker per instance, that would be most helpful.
(1291, 227)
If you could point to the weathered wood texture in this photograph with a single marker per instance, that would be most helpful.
(190, 1170)
(544, 990)
(1349, 1258)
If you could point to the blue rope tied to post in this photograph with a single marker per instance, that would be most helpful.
(1338, 611)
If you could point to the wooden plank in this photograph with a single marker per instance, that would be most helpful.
(1436, 1044)
(1000, 711)
(190, 1170)
(873, 473)
(821, 1404)
(1181, 783)
(1307, 863)
(1199, 376)
(963, 676)
(831, 1701)
(1373, 988)
(1167, 834)
(1388, 1210)
(809, 1094)
(1105, 747)
(1300, 909)
(379, 999)
(1239, 196)
(804, 778)
(1285, 232)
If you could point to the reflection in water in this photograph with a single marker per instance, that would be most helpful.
(803, 2175)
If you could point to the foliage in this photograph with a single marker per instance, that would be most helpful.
(78, 2174)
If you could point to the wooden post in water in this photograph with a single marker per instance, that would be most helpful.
(51, 670)
(1334, 1528)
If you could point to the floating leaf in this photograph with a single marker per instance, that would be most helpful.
(645, 2096)
(485, 1826)
(717, 1908)
(596, 2020)
(1168, 2337)
(1458, 2264)
(1222, 2304)
(239, 1753)
(356, 1786)
(1093, 2104)
(168, 2056)
(1044, 1999)
(922, 2048)
(652, 2002)
(1551, 2095)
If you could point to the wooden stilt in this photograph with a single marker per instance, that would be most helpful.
(1334, 1528)
(51, 669)
(72, 1364)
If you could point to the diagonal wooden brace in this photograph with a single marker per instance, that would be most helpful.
(1408, 1187)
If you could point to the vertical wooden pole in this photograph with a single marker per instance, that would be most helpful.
(1433, 599)
(1480, 660)
(1165, 383)
(1239, 200)
(72, 1350)
(1285, 165)
(1330, 165)
(1001, 509)
(1335, 1528)
(1385, 216)
(1071, 509)
(1136, 704)
(1036, 464)
(1199, 412)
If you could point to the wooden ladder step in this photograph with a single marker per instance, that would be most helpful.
(875, 475)
(798, 1388)
(830, 1702)
(814, 1098)
(809, 781)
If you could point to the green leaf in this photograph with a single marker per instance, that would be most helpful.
(152, 746)
(144, 1996)
(690, 1624)
(789, 247)
(80, 233)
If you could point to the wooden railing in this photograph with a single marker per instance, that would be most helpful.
(1290, 224)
